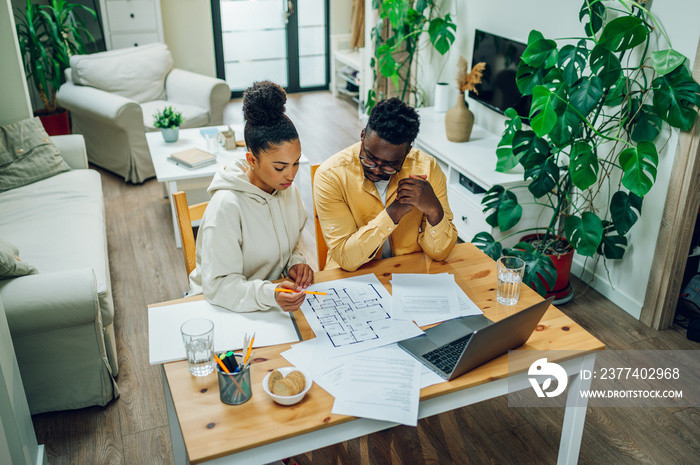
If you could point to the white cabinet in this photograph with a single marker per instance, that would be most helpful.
(129, 23)
(346, 70)
(470, 168)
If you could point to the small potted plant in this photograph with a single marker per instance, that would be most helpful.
(169, 122)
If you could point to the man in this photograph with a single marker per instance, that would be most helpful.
(381, 197)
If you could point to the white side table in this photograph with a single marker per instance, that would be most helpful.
(193, 181)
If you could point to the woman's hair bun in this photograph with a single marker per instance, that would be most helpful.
(263, 103)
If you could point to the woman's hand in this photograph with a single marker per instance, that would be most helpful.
(302, 274)
(289, 301)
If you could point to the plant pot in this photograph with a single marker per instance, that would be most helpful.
(459, 121)
(562, 290)
(56, 123)
(170, 134)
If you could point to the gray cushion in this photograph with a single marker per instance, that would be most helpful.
(27, 154)
(10, 263)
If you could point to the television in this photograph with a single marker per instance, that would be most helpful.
(498, 89)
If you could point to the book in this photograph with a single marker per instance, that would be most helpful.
(192, 158)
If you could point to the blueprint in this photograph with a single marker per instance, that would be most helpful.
(354, 315)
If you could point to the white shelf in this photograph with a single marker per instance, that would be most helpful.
(344, 57)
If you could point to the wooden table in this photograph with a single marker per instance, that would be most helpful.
(261, 431)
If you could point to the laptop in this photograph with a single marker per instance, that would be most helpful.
(456, 346)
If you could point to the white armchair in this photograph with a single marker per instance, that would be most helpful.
(113, 95)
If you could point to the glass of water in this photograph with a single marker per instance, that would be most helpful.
(198, 337)
(510, 276)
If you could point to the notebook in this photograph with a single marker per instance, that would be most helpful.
(456, 346)
(192, 158)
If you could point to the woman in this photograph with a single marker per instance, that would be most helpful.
(250, 231)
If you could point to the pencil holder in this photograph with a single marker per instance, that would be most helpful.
(234, 388)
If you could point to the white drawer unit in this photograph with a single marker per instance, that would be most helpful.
(130, 23)
(470, 168)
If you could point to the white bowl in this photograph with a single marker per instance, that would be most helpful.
(287, 400)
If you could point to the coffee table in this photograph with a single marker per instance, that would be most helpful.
(204, 430)
(195, 181)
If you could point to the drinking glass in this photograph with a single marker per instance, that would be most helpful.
(510, 276)
(198, 337)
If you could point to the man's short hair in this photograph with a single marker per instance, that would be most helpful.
(394, 121)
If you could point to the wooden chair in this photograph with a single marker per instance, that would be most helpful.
(321, 247)
(185, 216)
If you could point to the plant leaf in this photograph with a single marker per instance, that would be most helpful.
(665, 61)
(529, 149)
(644, 123)
(572, 61)
(540, 53)
(545, 177)
(675, 94)
(623, 33)
(595, 10)
(528, 77)
(543, 116)
(567, 127)
(506, 159)
(442, 33)
(506, 210)
(488, 245)
(613, 246)
(606, 65)
(584, 233)
(639, 165)
(583, 165)
(586, 95)
(539, 268)
(622, 211)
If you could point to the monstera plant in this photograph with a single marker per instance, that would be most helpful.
(590, 155)
(396, 38)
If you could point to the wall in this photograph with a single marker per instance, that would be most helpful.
(14, 98)
(187, 27)
(554, 18)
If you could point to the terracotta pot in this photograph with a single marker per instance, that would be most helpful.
(170, 134)
(459, 121)
(57, 123)
(562, 263)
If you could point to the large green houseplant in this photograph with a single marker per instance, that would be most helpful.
(49, 35)
(396, 38)
(599, 103)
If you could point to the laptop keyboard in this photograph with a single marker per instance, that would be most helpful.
(446, 357)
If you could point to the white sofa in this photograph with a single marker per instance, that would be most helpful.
(113, 95)
(61, 319)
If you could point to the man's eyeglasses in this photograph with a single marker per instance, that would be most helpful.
(370, 162)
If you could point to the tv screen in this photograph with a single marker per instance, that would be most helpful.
(498, 90)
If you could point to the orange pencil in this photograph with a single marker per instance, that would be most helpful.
(281, 289)
(223, 367)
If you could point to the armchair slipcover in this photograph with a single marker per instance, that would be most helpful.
(113, 95)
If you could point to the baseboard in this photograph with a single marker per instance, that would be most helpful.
(41, 458)
(601, 284)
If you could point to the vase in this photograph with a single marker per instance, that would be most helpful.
(56, 123)
(459, 121)
(170, 134)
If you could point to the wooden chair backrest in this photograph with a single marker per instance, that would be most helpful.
(321, 247)
(185, 216)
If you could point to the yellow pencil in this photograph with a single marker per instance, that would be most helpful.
(281, 289)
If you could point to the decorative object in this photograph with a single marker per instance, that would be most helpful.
(442, 97)
(459, 120)
(401, 24)
(229, 139)
(169, 122)
(598, 105)
(49, 35)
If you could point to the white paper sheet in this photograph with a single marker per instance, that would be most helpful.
(327, 372)
(354, 315)
(165, 342)
(380, 386)
(424, 297)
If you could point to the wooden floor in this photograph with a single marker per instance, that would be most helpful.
(147, 268)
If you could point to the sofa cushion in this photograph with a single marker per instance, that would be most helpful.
(137, 73)
(27, 154)
(59, 224)
(10, 263)
(192, 116)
